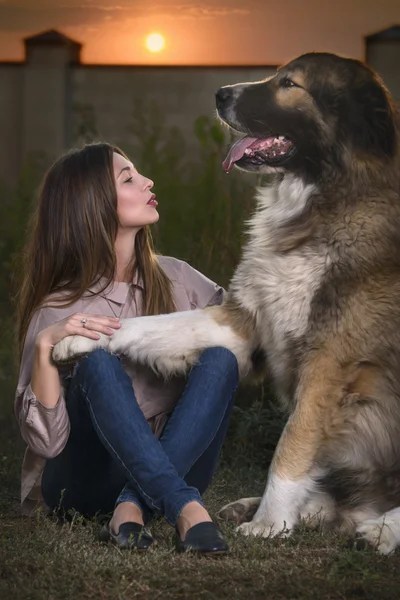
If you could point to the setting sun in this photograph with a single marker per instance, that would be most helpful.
(155, 42)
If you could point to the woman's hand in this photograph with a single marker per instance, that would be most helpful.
(45, 381)
(72, 325)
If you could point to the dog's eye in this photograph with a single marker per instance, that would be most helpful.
(287, 83)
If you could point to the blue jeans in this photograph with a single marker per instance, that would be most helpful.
(112, 455)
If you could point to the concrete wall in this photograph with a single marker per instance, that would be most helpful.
(35, 108)
(46, 102)
(41, 100)
(384, 57)
(11, 125)
(182, 94)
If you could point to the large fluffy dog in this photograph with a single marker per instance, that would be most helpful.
(317, 290)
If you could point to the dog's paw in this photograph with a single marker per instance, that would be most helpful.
(145, 347)
(75, 346)
(379, 534)
(173, 365)
(264, 528)
(241, 511)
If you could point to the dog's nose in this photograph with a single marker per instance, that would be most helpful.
(223, 95)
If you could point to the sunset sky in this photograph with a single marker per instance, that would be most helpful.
(208, 32)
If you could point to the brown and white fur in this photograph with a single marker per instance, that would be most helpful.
(317, 291)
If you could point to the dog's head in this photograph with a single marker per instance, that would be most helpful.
(317, 110)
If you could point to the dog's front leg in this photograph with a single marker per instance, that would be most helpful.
(168, 343)
(293, 468)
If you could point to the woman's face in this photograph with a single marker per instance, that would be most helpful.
(136, 204)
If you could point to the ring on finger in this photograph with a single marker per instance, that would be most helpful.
(84, 321)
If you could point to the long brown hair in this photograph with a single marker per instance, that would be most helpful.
(72, 236)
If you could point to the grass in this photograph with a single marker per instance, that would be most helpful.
(41, 559)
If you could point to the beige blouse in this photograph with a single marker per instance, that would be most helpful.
(46, 430)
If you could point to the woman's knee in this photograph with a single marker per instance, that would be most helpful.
(99, 362)
(221, 359)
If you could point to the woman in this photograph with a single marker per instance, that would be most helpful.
(90, 262)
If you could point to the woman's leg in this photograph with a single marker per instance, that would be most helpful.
(195, 432)
(84, 476)
(194, 435)
(108, 399)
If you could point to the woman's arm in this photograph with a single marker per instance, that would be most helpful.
(44, 428)
(39, 400)
(45, 380)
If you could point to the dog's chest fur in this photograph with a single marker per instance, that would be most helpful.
(278, 287)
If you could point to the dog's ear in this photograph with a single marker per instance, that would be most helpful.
(370, 120)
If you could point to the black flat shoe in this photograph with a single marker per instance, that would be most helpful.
(203, 538)
(131, 536)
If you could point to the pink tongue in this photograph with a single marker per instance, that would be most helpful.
(236, 152)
